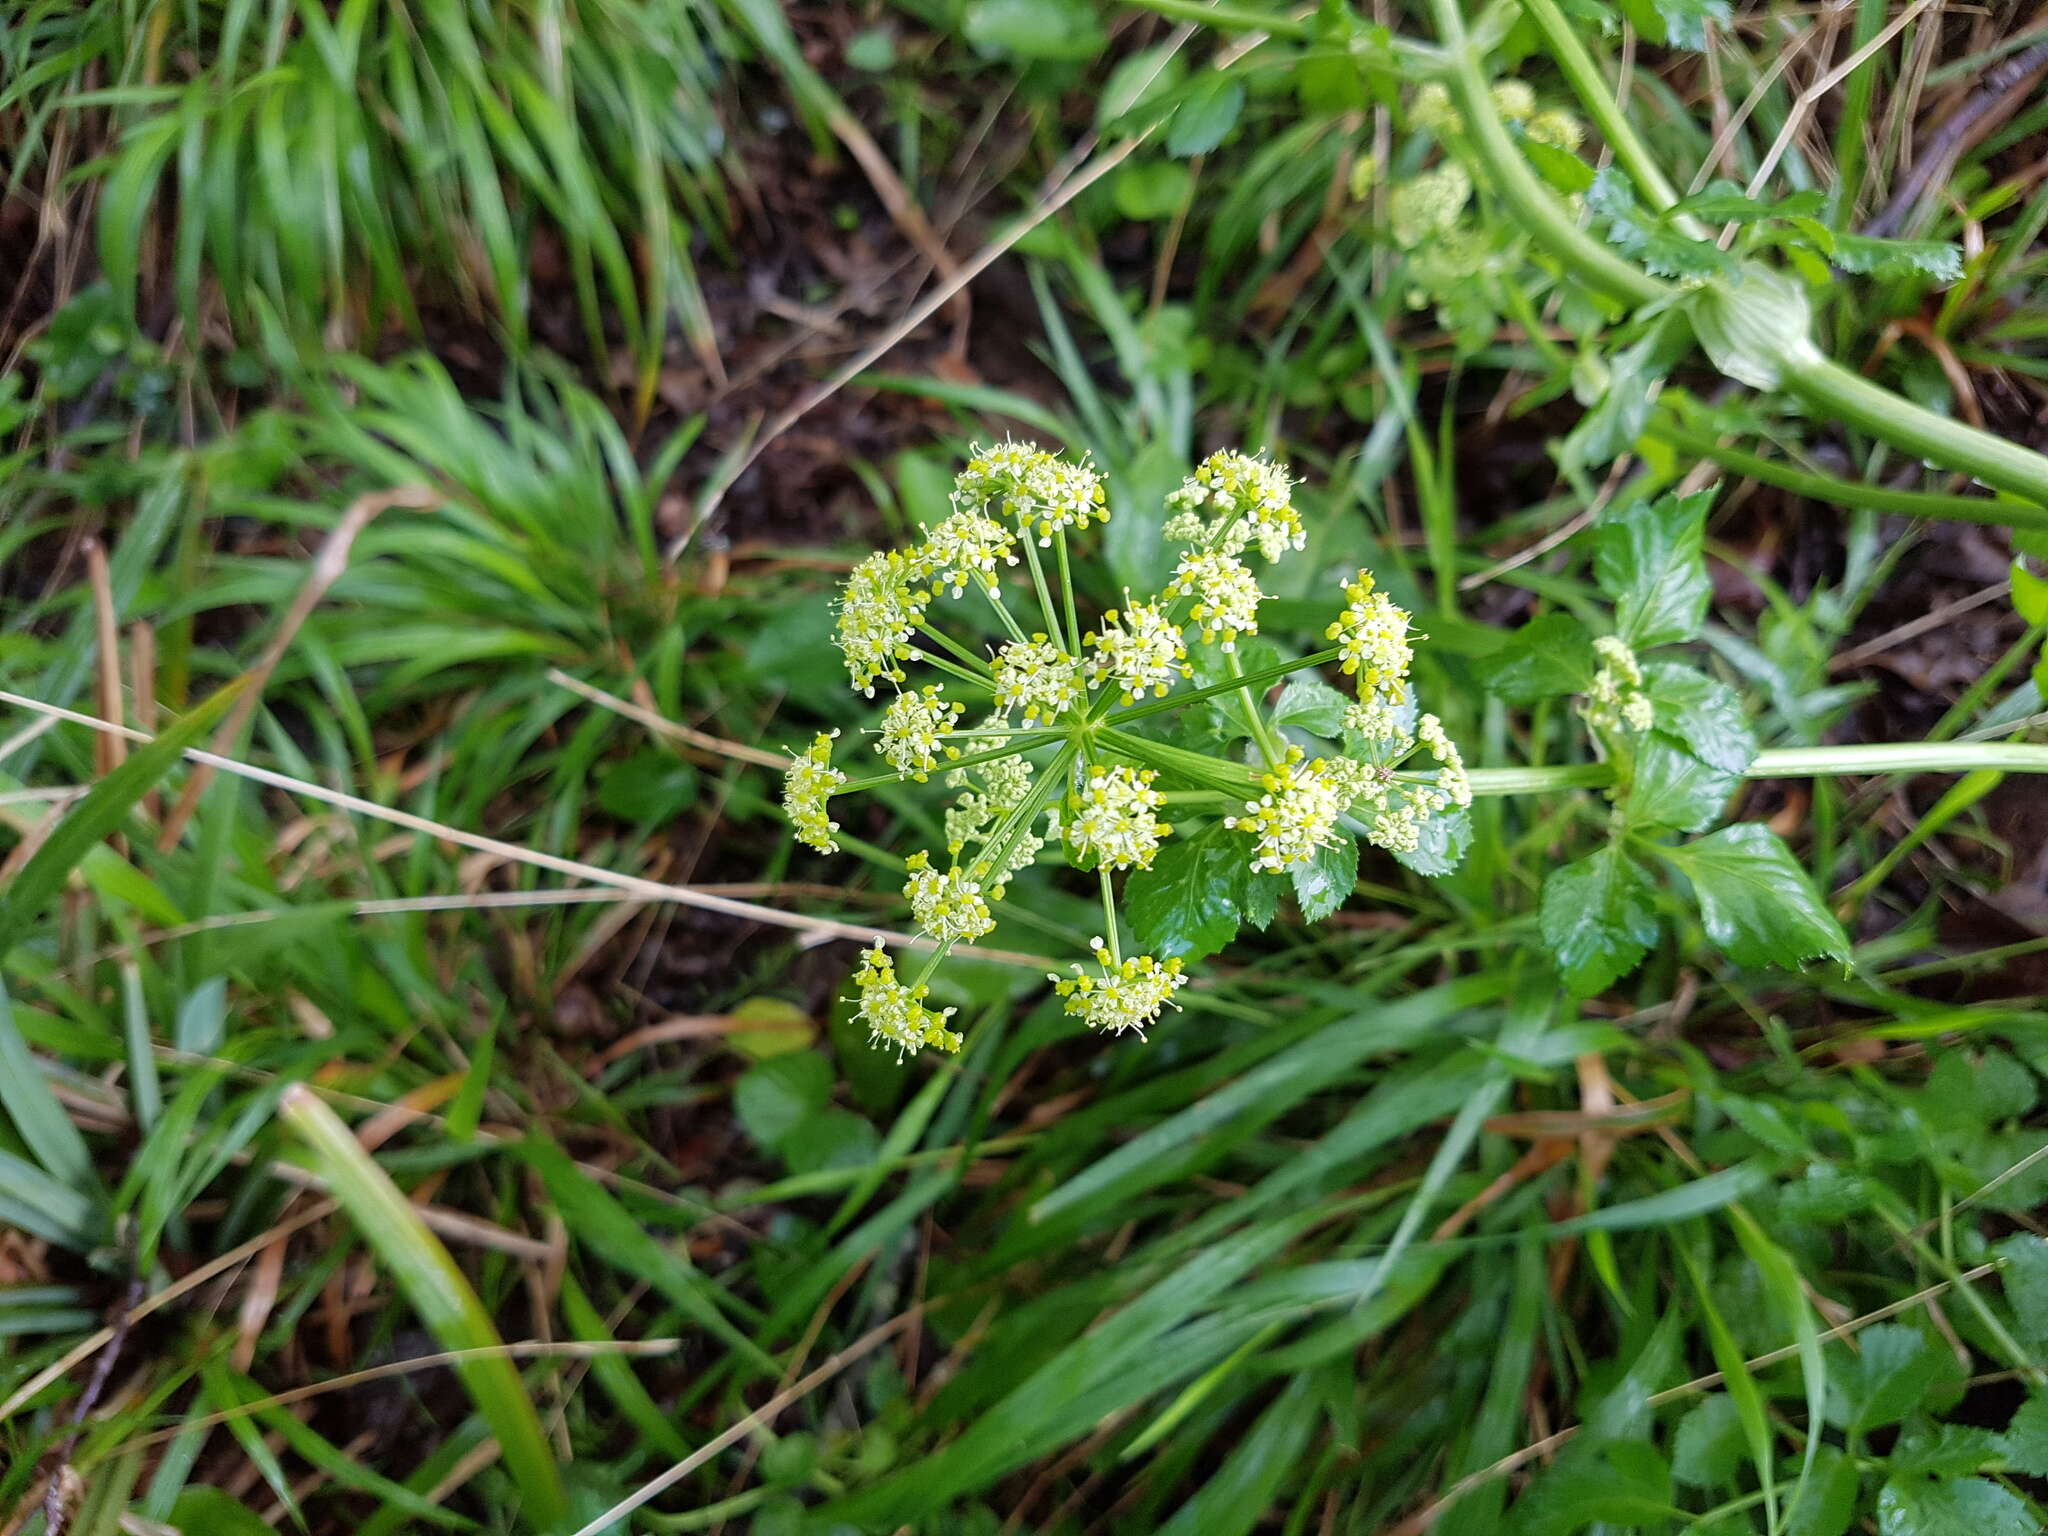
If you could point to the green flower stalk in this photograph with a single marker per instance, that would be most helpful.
(1034, 736)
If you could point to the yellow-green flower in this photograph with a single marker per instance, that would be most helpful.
(914, 727)
(1296, 813)
(1226, 595)
(1057, 495)
(1037, 678)
(1139, 650)
(1113, 817)
(1245, 500)
(967, 546)
(1124, 995)
(880, 608)
(947, 904)
(807, 787)
(894, 1013)
(1372, 640)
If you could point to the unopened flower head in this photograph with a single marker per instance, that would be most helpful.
(992, 789)
(947, 904)
(1226, 595)
(914, 726)
(1431, 109)
(1294, 816)
(1428, 205)
(1247, 500)
(1376, 718)
(1372, 640)
(1113, 817)
(1514, 100)
(1451, 778)
(1396, 824)
(1556, 128)
(1124, 994)
(895, 1014)
(807, 787)
(1616, 701)
(1139, 650)
(968, 546)
(1038, 679)
(880, 608)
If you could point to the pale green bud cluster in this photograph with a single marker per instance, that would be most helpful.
(1616, 700)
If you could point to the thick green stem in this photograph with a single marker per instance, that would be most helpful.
(1790, 361)
(1890, 418)
(1541, 215)
(1797, 763)
(1249, 679)
(1590, 86)
(1254, 721)
(1850, 493)
(1227, 18)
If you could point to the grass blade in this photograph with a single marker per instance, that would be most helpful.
(103, 809)
(440, 1294)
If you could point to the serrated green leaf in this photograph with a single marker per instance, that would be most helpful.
(1936, 259)
(1261, 898)
(2025, 1277)
(2025, 1441)
(1646, 239)
(1970, 1506)
(1723, 202)
(1186, 904)
(1953, 1450)
(1707, 1447)
(1756, 903)
(1648, 558)
(1324, 883)
(1598, 917)
(1672, 790)
(1894, 1365)
(1828, 1503)
(1549, 656)
(1312, 705)
(1702, 713)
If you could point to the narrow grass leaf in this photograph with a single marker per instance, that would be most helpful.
(440, 1294)
(100, 812)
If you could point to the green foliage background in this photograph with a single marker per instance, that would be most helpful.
(1650, 1170)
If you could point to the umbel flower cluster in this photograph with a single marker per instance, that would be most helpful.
(1041, 723)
